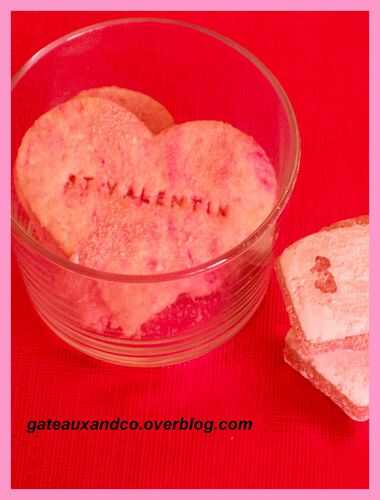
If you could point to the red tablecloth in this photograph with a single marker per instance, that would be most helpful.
(301, 439)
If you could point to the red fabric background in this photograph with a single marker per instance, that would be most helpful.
(301, 439)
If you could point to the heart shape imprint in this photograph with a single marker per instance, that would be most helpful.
(116, 198)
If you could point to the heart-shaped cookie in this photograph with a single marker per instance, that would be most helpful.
(82, 293)
(66, 150)
(119, 199)
(152, 113)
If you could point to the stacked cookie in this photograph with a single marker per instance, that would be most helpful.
(324, 281)
(110, 182)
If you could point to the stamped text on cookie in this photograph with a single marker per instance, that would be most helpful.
(82, 186)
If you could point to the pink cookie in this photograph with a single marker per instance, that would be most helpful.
(134, 241)
(125, 201)
(324, 280)
(152, 113)
(213, 174)
(155, 116)
(341, 374)
(68, 148)
(78, 291)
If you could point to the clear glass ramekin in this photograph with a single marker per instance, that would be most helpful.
(196, 74)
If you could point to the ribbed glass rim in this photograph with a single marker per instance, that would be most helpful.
(234, 252)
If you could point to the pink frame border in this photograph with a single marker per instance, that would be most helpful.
(6, 7)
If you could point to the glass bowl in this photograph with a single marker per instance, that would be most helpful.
(196, 74)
